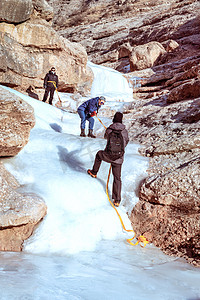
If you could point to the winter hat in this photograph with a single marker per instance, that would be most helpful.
(102, 98)
(118, 117)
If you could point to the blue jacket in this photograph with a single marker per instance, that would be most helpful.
(90, 105)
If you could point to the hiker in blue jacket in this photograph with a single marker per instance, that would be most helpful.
(87, 111)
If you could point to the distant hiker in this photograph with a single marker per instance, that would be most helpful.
(87, 111)
(117, 139)
(50, 84)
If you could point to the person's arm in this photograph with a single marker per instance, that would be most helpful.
(126, 138)
(106, 134)
(92, 105)
(45, 80)
(57, 81)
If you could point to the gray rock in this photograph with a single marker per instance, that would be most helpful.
(44, 9)
(15, 11)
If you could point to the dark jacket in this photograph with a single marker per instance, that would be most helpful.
(124, 132)
(90, 105)
(50, 77)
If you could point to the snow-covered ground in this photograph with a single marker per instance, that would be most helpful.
(79, 251)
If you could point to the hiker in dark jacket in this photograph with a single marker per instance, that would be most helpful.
(106, 156)
(50, 84)
(87, 111)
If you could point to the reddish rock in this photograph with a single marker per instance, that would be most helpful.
(187, 90)
(17, 119)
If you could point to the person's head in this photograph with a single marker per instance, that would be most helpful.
(118, 117)
(53, 70)
(102, 100)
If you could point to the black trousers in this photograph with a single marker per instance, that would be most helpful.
(116, 171)
(48, 90)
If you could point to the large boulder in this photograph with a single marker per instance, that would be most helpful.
(15, 11)
(19, 213)
(28, 50)
(17, 119)
(145, 56)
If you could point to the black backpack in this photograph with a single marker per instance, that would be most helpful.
(115, 144)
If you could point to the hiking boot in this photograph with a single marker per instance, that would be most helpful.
(91, 173)
(82, 132)
(116, 203)
(90, 134)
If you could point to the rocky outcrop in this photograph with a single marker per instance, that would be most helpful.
(15, 11)
(167, 123)
(17, 119)
(29, 49)
(168, 212)
(19, 213)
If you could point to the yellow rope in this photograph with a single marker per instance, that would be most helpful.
(60, 102)
(141, 238)
(100, 120)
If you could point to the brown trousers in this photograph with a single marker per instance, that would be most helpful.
(116, 170)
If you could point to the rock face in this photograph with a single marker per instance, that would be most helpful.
(168, 212)
(19, 213)
(165, 118)
(28, 50)
(103, 27)
(17, 119)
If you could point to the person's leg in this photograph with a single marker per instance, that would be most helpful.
(91, 123)
(83, 118)
(97, 162)
(52, 90)
(45, 94)
(117, 183)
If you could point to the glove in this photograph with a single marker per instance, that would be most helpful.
(93, 114)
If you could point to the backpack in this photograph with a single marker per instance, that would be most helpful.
(115, 144)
